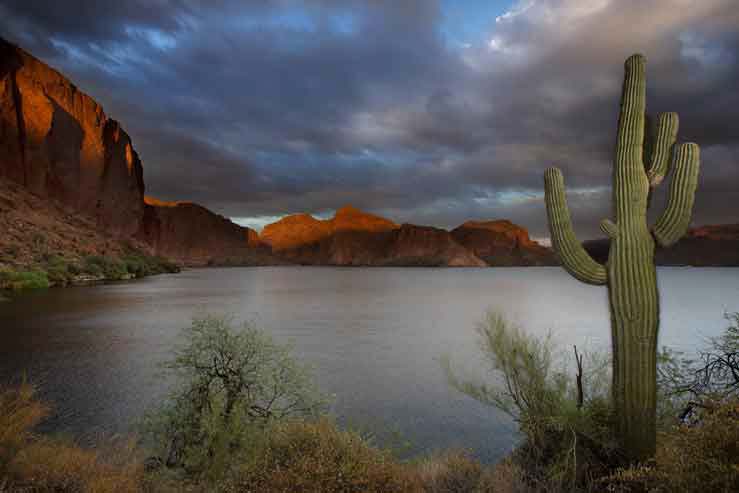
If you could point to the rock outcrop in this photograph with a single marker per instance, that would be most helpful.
(502, 243)
(706, 246)
(191, 235)
(57, 143)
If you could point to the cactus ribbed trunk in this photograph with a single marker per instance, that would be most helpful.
(632, 277)
(630, 273)
(632, 289)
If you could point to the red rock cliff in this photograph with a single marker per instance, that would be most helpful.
(58, 143)
(192, 235)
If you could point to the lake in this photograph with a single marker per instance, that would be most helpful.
(374, 337)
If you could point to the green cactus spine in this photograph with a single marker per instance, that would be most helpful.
(629, 273)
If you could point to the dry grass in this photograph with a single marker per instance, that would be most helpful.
(318, 457)
(307, 457)
(38, 464)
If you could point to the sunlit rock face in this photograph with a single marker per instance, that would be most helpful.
(58, 143)
(502, 243)
(353, 237)
(299, 230)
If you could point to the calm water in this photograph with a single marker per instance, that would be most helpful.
(374, 336)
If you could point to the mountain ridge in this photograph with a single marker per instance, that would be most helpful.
(58, 143)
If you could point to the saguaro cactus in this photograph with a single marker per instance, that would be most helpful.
(629, 273)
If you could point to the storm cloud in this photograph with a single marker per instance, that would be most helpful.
(263, 108)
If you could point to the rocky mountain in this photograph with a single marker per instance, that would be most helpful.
(298, 230)
(502, 243)
(353, 237)
(190, 234)
(706, 246)
(57, 143)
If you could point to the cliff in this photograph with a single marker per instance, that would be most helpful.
(192, 235)
(706, 246)
(57, 143)
(502, 243)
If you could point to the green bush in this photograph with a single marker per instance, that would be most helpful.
(107, 267)
(233, 384)
(58, 270)
(572, 448)
(140, 265)
(32, 279)
(565, 444)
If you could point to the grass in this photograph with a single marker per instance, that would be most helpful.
(32, 463)
(21, 280)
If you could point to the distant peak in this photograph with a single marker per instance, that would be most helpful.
(349, 210)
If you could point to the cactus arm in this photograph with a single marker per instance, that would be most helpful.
(573, 256)
(674, 221)
(607, 226)
(666, 137)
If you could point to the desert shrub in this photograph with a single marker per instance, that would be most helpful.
(233, 383)
(570, 447)
(703, 456)
(140, 265)
(110, 268)
(19, 413)
(697, 457)
(58, 270)
(454, 471)
(565, 444)
(712, 376)
(299, 456)
(32, 463)
(53, 465)
(19, 280)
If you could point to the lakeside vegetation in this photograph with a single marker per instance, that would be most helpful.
(50, 270)
(247, 417)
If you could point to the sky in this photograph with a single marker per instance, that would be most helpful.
(425, 111)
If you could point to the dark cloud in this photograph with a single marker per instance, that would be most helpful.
(270, 107)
